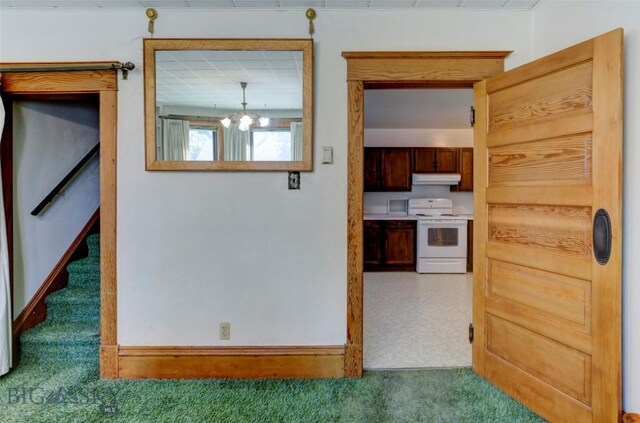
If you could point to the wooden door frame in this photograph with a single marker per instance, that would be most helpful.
(104, 83)
(443, 69)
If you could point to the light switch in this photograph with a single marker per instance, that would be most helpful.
(327, 155)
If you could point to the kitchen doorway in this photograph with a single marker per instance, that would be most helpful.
(390, 70)
(418, 205)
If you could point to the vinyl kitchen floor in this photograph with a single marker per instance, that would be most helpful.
(416, 320)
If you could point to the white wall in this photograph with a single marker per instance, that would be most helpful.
(195, 249)
(379, 137)
(49, 139)
(557, 25)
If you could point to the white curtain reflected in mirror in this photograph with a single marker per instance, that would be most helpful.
(296, 140)
(175, 139)
(235, 143)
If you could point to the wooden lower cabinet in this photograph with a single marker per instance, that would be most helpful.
(389, 245)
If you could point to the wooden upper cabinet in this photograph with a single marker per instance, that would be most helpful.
(465, 168)
(447, 160)
(387, 169)
(435, 160)
(396, 169)
(424, 160)
(372, 171)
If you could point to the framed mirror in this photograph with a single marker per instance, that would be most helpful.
(228, 104)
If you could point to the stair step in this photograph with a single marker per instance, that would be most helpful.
(84, 272)
(74, 304)
(93, 242)
(61, 341)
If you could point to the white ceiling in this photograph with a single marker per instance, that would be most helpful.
(418, 108)
(207, 78)
(281, 4)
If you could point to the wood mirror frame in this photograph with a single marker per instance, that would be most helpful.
(151, 46)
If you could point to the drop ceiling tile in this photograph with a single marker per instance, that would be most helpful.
(257, 3)
(437, 3)
(395, 4)
(521, 4)
(347, 3)
(300, 3)
(164, 3)
(212, 3)
(483, 4)
(50, 3)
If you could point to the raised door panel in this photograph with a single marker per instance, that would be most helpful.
(424, 160)
(548, 143)
(372, 172)
(400, 243)
(469, 245)
(396, 169)
(447, 160)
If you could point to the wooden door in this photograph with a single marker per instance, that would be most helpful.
(400, 243)
(396, 169)
(447, 160)
(372, 173)
(548, 142)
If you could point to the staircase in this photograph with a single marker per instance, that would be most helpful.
(71, 331)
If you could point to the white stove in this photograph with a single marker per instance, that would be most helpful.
(442, 236)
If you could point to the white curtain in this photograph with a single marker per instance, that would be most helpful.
(5, 293)
(175, 139)
(296, 141)
(235, 143)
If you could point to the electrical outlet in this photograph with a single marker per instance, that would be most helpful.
(225, 331)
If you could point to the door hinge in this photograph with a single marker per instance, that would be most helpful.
(472, 116)
(471, 333)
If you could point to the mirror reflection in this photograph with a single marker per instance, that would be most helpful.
(216, 105)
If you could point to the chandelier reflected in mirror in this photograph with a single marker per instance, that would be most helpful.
(243, 119)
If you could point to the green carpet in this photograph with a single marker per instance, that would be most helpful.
(57, 381)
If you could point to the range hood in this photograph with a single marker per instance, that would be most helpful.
(436, 178)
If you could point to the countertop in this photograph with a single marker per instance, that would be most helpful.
(404, 216)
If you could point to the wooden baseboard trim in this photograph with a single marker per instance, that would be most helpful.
(35, 311)
(109, 361)
(167, 362)
(631, 418)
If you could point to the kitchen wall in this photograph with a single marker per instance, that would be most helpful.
(49, 139)
(198, 248)
(557, 25)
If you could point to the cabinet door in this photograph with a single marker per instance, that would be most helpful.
(372, 171)
(446, 160)
(372, 245)
(400, 243)
(424, 160)
(466, 170)
(396, 169)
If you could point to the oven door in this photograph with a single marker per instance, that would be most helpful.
(442, 239)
